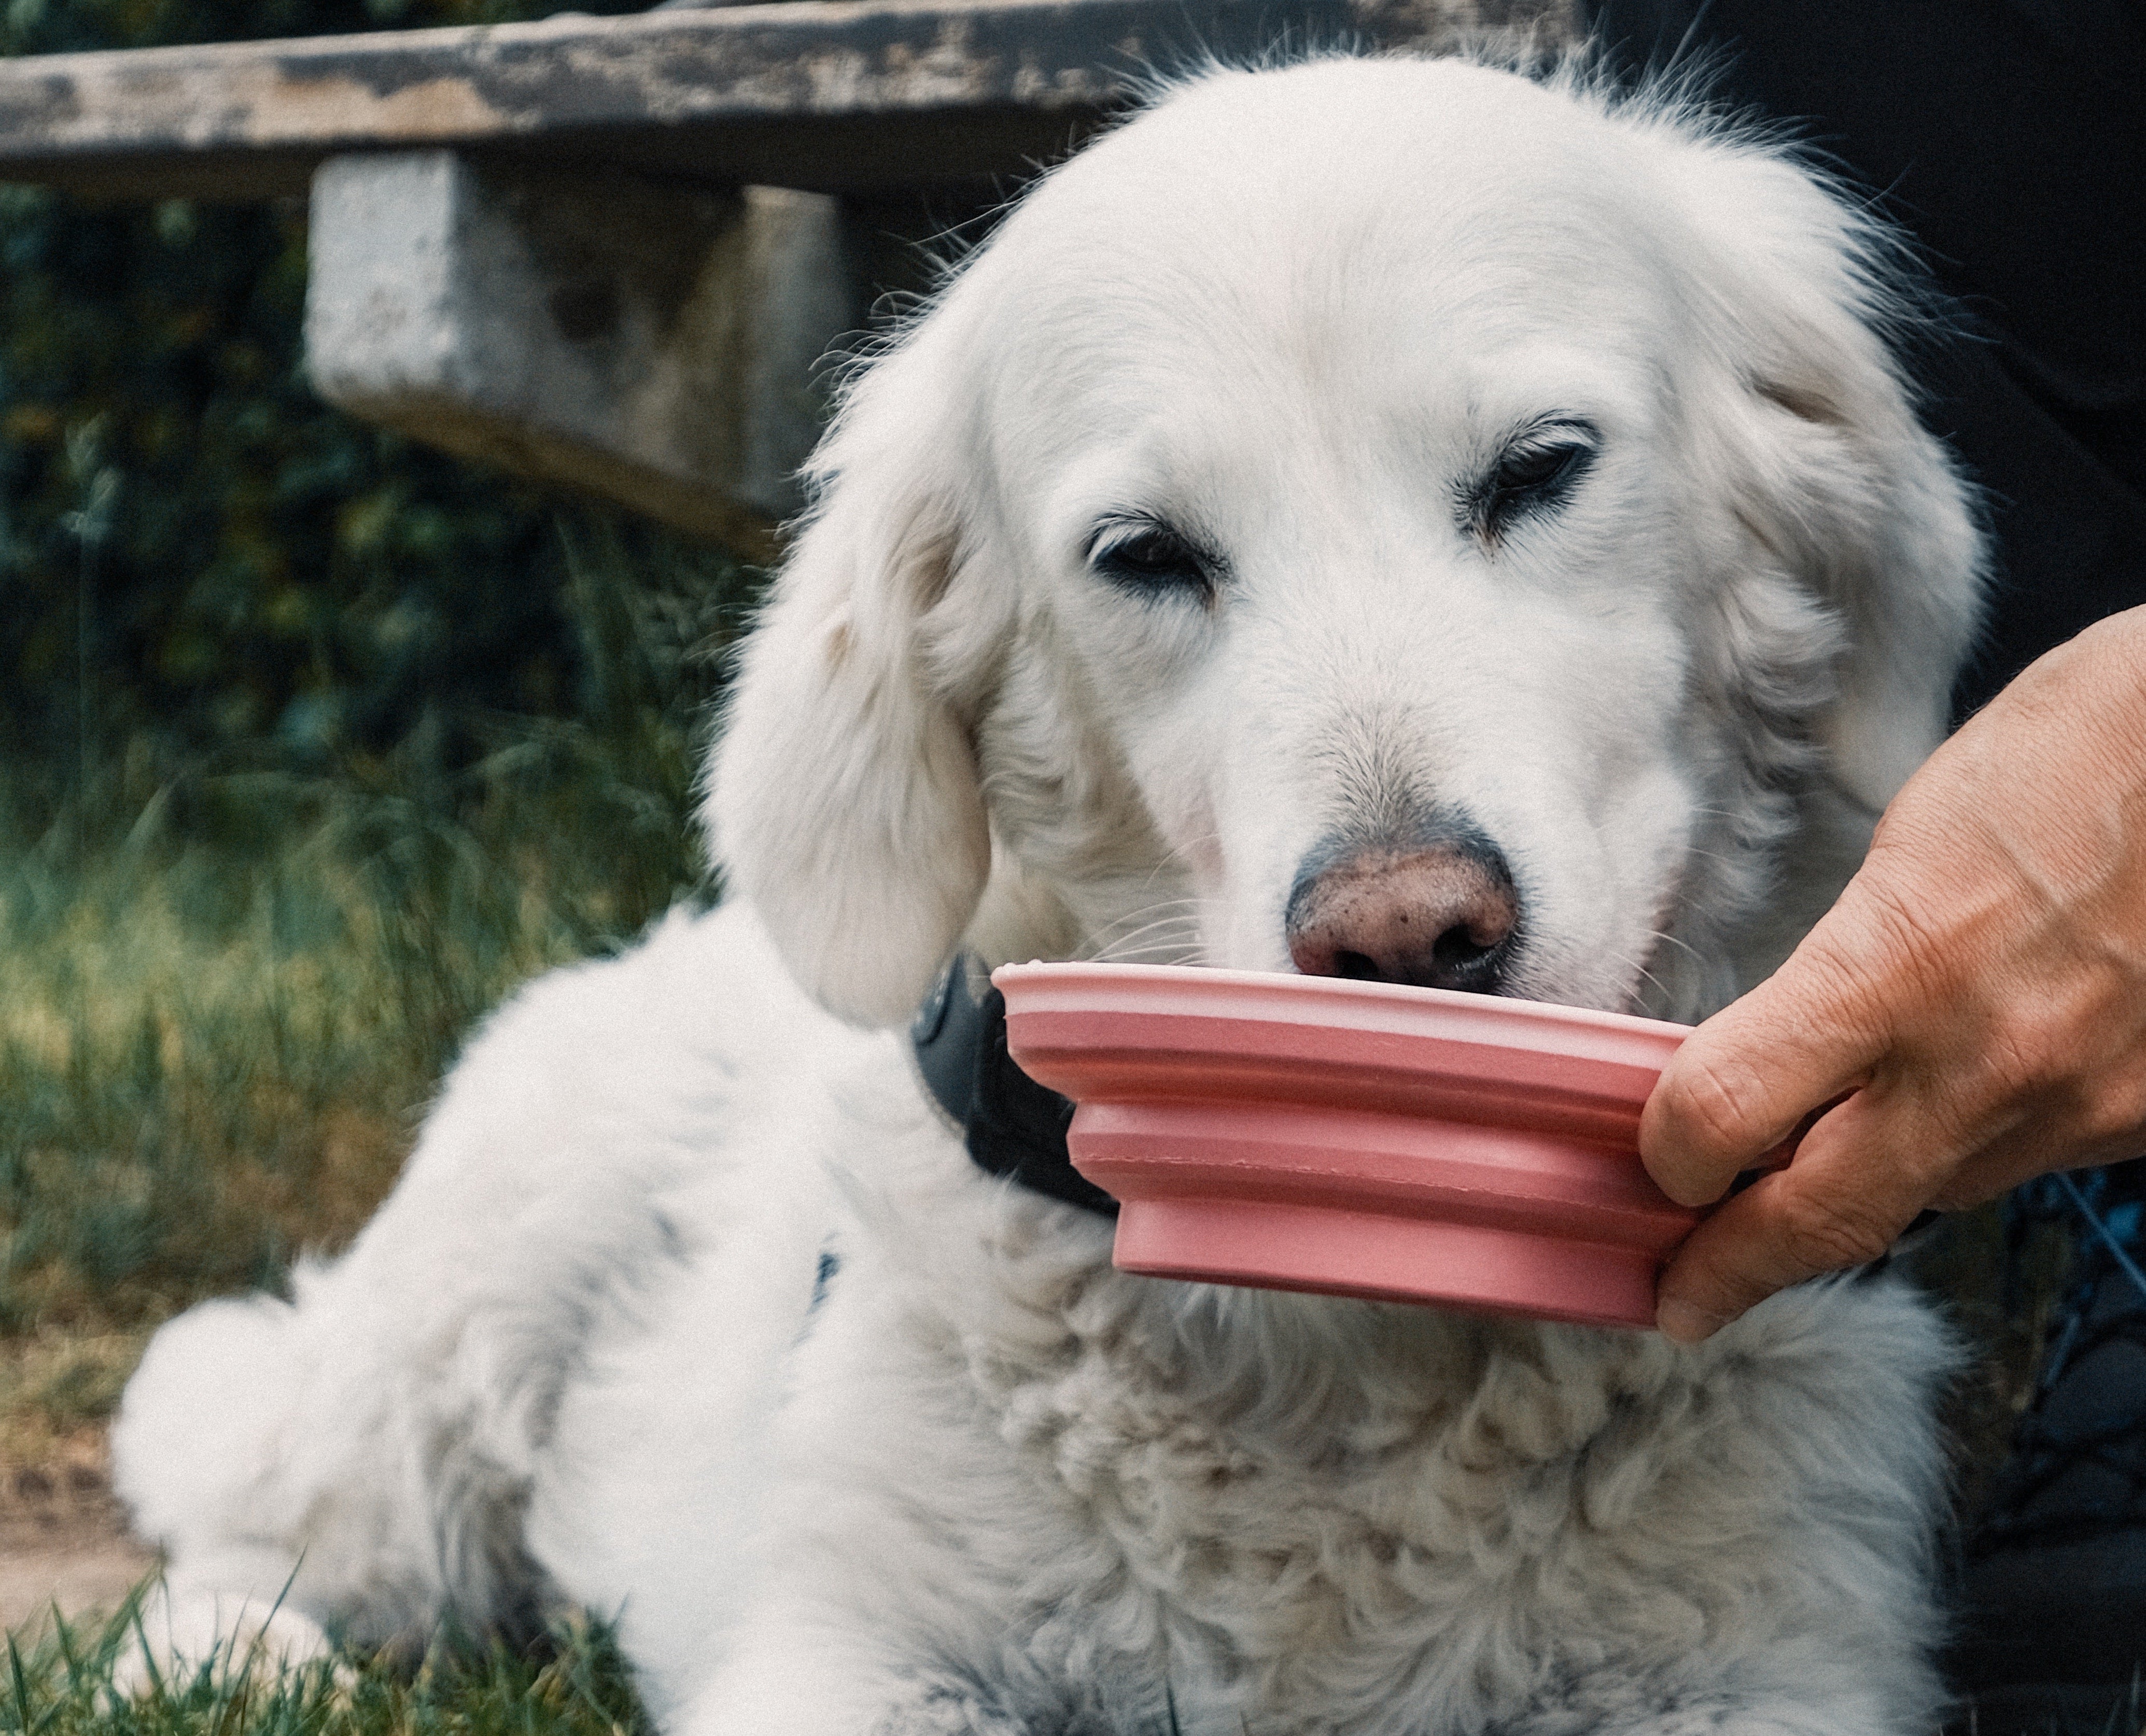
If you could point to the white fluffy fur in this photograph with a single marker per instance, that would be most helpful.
(986, 1484)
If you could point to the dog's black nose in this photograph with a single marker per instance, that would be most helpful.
(1442, 915)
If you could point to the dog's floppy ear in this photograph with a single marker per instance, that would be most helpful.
(844, 801)
(1826, 464)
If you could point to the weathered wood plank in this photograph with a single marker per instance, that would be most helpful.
(827, 95)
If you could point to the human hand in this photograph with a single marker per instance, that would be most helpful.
(1979, 990)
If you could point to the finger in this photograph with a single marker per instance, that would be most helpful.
(1843, 1201)
(1744, 1079)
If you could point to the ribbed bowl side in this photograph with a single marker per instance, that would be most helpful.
(1359, 1140)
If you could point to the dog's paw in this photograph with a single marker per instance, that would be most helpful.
(178, 1633)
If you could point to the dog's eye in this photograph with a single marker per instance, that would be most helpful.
(1152, 559)
(1531, 475)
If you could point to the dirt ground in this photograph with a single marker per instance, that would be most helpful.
(63, 1539)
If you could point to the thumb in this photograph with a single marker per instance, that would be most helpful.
(1745, 1080)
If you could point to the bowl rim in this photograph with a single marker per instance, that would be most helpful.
(1505, 1008)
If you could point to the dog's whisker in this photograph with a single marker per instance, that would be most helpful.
(1174, 937)
(1150, 912)
(1168, 929)
(1160, 925)
(1667, 939)
(1133, 929)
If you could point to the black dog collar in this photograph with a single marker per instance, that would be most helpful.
(1013, 1126)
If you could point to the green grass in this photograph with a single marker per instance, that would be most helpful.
(574, 1685)
(227, 990)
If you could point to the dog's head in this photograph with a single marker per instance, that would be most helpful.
(1391, 517)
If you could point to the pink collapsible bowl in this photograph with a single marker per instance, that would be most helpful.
(1359, 1139)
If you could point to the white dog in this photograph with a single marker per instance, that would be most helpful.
(1390, 517)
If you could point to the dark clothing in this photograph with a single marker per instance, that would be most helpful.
(2010, 136)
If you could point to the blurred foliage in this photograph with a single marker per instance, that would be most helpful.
(192, 545)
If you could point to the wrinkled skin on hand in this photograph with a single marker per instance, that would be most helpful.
(1979, 990)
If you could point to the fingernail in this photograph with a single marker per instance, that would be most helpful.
(1681, 1322)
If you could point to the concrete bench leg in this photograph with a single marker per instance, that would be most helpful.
(658, 345)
